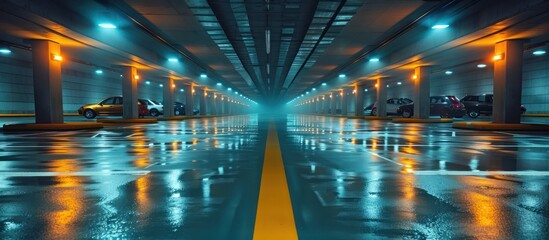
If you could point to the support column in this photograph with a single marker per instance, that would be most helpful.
(129, 93)
(201, 93)
(325, 103)
(189, 100)
(345, 100)
(168, 97)
(211, 102)
(215, 104)
(508, 82)
(422, 92)
(311, 106)
(333, 97)
(223, 105)
(48, 96)
(381, 98)
(228, 106)
(359, 100)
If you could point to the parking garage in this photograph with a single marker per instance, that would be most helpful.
(274, 119)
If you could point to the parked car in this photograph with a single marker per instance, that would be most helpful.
(179, 109)
(154, 107)
(392, 105)
(443, 106)
(111, 106)
(368, 109)
(481, 104)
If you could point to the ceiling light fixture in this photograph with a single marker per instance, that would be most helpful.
(324, 84)
(440, 26)
(342, 75)
(5, 50)
(482, 65)
(203, 75)
(107, 25)
(374, 60)
(448, 72)
(539, 52)
(99, 71)
(173, 59)
(268, 41)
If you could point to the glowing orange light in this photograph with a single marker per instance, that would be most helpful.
(414, 77)
(136, 76)
(56, 57)
(376, 85)
(498, 57)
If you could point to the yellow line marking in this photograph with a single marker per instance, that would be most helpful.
(274, 218)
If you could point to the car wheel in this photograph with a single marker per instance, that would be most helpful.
(473, 113)
(177, 112)
(154, 112)
(373, 112)
(89, 114)
(406, 114)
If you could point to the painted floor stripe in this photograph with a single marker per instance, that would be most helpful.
(52, 174)
(482, 173)
(386, 159)
(274, 218)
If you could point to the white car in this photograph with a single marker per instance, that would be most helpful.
(392, 105)
(154, 107)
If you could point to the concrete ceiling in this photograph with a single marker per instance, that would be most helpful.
(273, 51)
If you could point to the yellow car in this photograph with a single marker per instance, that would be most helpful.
(111, 106)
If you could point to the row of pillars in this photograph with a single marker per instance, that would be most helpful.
(507, 90)
(48, 97)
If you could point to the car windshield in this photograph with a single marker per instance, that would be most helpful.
(155, 102)
(453, 99)
(406, 101)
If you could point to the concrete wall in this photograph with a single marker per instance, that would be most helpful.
(81, 85)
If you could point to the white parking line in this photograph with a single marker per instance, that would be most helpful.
(52, 174)
(481, 173)
(386, 159)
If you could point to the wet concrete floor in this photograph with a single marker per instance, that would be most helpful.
(347, 179)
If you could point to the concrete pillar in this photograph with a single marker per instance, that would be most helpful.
(422, 92)
(508, 82)
(325, 104)
(381, 97)
(311, 106)
(189, 100)
(168, 97)
(202, 94)
(211, 102)
(129, 92)
(217, 104)
(222, 104)
(345, 100)
(333, 97)
(359, 100)
(228, 104)
(48, 97)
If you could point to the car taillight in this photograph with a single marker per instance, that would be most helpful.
(455, 105)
